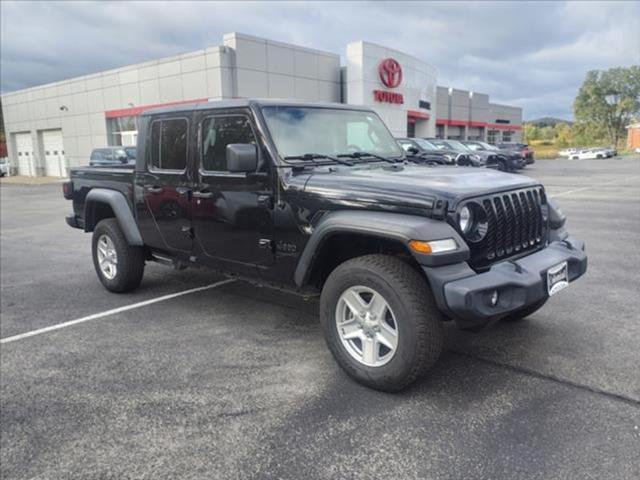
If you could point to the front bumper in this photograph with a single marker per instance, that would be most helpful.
(463, 294)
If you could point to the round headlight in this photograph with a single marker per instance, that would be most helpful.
(472, 220)
(464, 219)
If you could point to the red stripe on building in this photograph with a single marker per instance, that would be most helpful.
(463, 123)
(134, 111)
(416, 114)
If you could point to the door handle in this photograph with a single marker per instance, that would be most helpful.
(154, 189)
(202, 194)
(182, 191)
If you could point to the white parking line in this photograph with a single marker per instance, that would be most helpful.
(591, 187)
(107, 313)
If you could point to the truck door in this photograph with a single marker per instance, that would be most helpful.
(165, 185)
(232, 212)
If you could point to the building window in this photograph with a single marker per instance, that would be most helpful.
(492, 137)
(169, 144)
(122, 131)
(506, 136)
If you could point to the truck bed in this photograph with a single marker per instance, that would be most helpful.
(84, 179)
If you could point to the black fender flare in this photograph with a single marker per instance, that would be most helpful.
(121, 209)
(390, 226)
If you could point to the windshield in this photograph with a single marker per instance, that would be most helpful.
(424, 144)
(300, 130)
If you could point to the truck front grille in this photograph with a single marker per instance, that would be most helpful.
(516, 223)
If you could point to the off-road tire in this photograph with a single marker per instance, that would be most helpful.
(130, 266)
(525, 312)
(419, 322)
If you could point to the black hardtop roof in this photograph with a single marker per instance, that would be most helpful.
(249, 102)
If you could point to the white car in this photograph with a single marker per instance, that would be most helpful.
(588, 154)
(567, 152)
(4, 166)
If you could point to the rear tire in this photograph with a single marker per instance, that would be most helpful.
(119, 265)
(410, 312)
(525, 312)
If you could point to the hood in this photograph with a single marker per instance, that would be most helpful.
(407, 185)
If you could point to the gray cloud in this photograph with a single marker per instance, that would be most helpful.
(533, 54)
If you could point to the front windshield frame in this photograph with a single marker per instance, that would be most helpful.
(395, 151)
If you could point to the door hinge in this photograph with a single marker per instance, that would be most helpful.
(439, 211)
(265, 201)
(266, 243)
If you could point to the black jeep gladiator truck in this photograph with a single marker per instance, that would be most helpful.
(319, 199)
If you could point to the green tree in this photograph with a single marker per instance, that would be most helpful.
(563, 135)
(606, 102)
(531, 132)
(2, 138)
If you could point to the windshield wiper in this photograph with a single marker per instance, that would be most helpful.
(318, 156)
(359, 155)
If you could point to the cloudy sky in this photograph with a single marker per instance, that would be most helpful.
(534, 55)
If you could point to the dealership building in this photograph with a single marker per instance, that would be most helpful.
(53, 127)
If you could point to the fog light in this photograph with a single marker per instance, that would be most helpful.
(494, 298)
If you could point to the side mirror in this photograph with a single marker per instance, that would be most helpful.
(242, 157)
(413, 150)
(123, 159)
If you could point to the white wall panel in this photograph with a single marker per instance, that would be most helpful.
(149, 92)
(280, 59)
(194, 85)
(170, 88)
(168, 69)
(281, 86)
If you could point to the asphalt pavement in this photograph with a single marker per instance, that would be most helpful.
(235, 381)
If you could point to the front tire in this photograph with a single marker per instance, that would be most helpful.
(380, 321)
(119, 265)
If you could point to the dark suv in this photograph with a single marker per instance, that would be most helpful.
(429, 153)
(320, 200)
(522, 149)
(513, 160)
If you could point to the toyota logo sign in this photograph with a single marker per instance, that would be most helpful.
(390, 73)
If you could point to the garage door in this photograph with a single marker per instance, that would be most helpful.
(24, 147)
(53, 153)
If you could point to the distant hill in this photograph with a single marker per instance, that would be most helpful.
(548, 122)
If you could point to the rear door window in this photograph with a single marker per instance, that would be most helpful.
(169, 144)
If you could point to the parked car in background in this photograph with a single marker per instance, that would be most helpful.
(471, 158)
(514, 159)
(610, 152)
(567, 152)
(131, 153)
(588, 154)
(576, 153)
(110, 156)
(426, 152)
(4, 166)
(524, 150)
